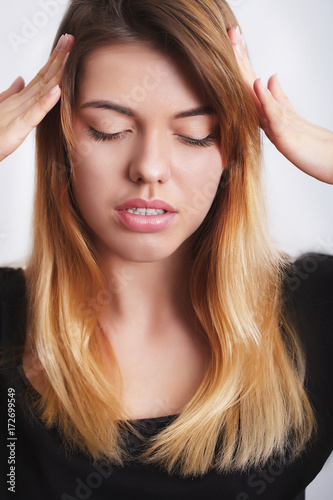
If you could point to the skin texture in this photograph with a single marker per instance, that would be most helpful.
(22, 108)
(150, 324)
(150, 161)
(306, 145)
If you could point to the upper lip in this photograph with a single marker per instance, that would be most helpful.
(140, 203)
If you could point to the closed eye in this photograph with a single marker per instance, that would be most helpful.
(204, 143)
(101, 136)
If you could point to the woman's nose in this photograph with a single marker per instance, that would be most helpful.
(150, 159)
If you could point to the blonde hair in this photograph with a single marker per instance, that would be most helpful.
(251, 404)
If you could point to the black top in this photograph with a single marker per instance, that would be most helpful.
(33, 458)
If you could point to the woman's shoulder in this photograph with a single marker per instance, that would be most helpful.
(309, 302)
(312, 273)
(308, 289)
(12, 304)
(12, 280)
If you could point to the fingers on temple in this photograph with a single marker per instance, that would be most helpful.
(239, 47)
(34, 114)
(39, 99)
(41, 88)
(270, 106)
(236, 37)
(54, 67)
(277, 92)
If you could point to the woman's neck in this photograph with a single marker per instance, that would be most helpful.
(146, 295)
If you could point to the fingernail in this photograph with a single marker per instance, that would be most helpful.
(65, 43)
(60, 41)
(53, 90)
(262, 84)
(243, 41)
(238, 35)
(65, 60)
(238, 51)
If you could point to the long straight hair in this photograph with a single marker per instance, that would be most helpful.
(251, 405)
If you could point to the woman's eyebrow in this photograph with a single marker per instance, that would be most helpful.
(201, 110)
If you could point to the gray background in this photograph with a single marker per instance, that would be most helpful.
(291, 37)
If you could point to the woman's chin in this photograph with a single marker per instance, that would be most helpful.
(144, 252)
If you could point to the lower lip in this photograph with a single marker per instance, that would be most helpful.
(146, 223)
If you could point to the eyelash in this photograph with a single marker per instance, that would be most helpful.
(100, 136)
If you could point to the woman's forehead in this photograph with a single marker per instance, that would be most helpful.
(138, 71)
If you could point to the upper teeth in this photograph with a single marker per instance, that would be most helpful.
(146, 211)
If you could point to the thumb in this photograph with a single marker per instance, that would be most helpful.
(15, 87)
(275, 89)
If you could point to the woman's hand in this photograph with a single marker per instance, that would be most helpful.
(22, 108)
(306, 145)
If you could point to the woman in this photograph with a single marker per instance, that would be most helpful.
(158, 332)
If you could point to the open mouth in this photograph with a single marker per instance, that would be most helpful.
(146, 220)
(146, 211)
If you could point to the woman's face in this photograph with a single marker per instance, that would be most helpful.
(143, 130)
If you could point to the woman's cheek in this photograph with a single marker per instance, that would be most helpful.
(90, 179)
(206, 174)
(201, 185)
